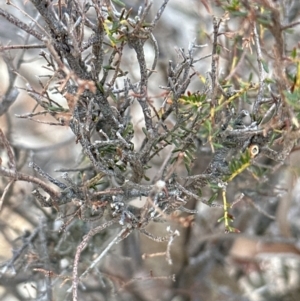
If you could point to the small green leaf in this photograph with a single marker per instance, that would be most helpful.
(239, 14)
(294, 53)
(176, 150)
(217, 145)
(108, 67)
(173, 160)
(265, 66)
(227, 86)
(100, 87)
(264, 21)
(221, 219)
(186, 160)
(113, 96)
(250, 77)
(189, 155)
(213, 197)
(118, 2)
(145, 131)
(268, 80)
(175, 142)
(188, 168)
(207, 124)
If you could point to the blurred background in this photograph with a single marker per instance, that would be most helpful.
(260, 263)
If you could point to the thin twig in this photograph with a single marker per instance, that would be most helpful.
(5, 191)
(159, 13)
(215, 60)
(44, 254)
(79, 250)
(21, 24)
(12, 47)
(103, 253)
(29, 17)
(9, 150)
(18, 176)
(261, 73)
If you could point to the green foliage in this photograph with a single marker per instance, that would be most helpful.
(213, 197)
(238, 165)
(233, 6)
(119, 2)
(227, 218)
(265, 65)
(195, 100)
(89, 53)
(293, 99)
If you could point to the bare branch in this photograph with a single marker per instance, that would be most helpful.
(21, 24)
(261, 74)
